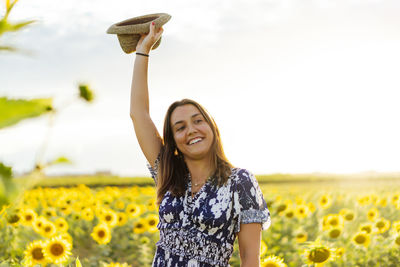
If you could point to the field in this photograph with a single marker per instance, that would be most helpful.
(316, 220)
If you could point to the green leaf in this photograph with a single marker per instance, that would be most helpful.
(78, 262)
(85, 92)
(5, 26)
(13, 111)
(8, 188)
(18, 26)
(5, 171)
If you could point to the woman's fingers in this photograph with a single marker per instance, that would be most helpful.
(152, 26)
(149, 39)
(153, 31)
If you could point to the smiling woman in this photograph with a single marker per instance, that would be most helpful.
(192, 137)
(204, 202)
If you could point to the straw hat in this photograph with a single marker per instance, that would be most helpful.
(128, 31)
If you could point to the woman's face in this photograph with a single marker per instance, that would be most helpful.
(193, 136)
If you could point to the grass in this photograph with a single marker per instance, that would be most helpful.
(113, 180)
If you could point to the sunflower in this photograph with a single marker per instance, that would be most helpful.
(77, 206)
(48, 229)
(397, 240)
(122, 218)
(364, 200)
(87, 214)
(106, 199)
(366, 227)
(311, 207)
(120, 205)
(263, 248)
(299, 200)
(340, 251)
(332, 220)
(325, 201)
(361, 239)
(140, 226)
(76, 216)
(65, 209)
(101, 233)
(109, 217)
(14, 218)
(38, 224)
(301, 237)
(28, 217)
(381, 225)
(382, 202)
(347, 214)
(395, 198)
(372, 214)
(281, 207)
(133, 210)
(49, 212)
(152, 221)
(289, 213)
(335, 232)
(318, 253)
(151, 205)
(272, 261)
(397, 204)
(396, 226)
(61, 224)
(57, 250)
(302, 211)
(34, 253)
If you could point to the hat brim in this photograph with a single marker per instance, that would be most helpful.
(129, 31)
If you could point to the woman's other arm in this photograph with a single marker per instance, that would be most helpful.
(249, 239)
(146, 132)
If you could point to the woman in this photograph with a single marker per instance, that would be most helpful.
(204, 202)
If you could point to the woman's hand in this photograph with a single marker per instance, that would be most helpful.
(147, 41)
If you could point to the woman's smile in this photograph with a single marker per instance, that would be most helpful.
(195, 140)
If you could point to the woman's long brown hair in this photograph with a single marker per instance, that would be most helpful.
(172, 170)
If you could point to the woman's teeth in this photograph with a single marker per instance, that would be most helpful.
(194, 141)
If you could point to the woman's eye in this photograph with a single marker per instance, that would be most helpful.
(198, 121)
(180, 128)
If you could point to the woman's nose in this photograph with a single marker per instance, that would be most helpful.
(191, 129)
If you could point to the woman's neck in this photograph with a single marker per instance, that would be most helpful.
(200, 170)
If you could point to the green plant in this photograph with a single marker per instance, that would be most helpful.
(13, 111)
(6, 26)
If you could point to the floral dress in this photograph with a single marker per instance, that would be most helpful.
(200, 231)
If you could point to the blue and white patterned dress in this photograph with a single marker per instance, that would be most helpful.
(200, 231)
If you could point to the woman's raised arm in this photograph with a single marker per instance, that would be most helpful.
(146, 132)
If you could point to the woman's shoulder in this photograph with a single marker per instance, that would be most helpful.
(241, 174)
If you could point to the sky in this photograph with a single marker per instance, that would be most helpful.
(300, 86)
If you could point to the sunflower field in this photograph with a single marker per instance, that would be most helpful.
(313, 224)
